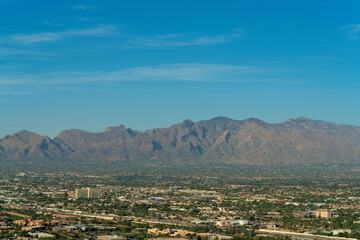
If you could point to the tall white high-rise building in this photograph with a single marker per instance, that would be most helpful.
(87, 193)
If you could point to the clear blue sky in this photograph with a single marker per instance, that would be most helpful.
(147, 64)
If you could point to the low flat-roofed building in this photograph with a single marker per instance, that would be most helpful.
(231, 223)
(42, 235)
(171, 232)
(32, 228)
(213, 236)
(323, 213)
(166, 238)
(337, 231)
(20, 222)
(64, 216)
(111, 237)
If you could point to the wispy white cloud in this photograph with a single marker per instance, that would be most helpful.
(11, 51)
(99, 31)
(112, 31)
(15, 80)
(86, 19)
(12, 54)
(53, 24)
(195, 72)
(352, 31)
(83, 7)
(169, 72)
(182, 40)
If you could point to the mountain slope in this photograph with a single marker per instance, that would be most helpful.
(251, 141)
(26, 145)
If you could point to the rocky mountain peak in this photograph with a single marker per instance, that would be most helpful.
(219, 140)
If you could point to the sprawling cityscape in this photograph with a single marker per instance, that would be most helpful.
(69, 205)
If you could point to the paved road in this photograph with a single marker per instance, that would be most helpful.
(299, 235)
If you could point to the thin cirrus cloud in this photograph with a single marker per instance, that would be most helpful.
(83, 7)
(169, 40)
(194, 72)
(11, 51)
(25, 39)
(352, 31)
(181, 40)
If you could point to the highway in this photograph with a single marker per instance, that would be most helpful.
(298, 235)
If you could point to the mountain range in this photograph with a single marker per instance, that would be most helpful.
(218, 140)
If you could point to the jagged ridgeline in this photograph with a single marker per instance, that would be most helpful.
(219, 140)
